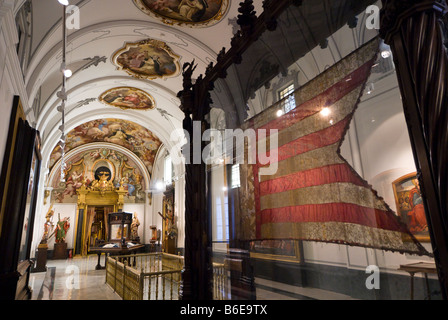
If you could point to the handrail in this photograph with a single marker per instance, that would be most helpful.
(160, 272)
(154, 274)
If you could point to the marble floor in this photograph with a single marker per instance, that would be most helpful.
(72, 279)
(77, 279)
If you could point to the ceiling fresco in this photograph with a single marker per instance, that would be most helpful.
(148, 59)
(128, 98)
(191, 13)
(137, 139)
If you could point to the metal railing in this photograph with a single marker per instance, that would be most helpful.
(155, 276)
(220, 284)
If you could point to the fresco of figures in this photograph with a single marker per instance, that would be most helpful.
(128, 98)
(82, 168)
(185, 12)
(127, 134)
(148, 59)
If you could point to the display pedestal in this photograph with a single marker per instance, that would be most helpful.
(60, 251)
(241, 274)
(41, 263)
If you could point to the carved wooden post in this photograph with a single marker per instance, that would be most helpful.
(196, 277)
(415, 31)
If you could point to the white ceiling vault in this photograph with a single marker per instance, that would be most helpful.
(105, 27)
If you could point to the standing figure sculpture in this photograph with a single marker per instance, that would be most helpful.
(61, 229)
(134, 228)
(48, 225)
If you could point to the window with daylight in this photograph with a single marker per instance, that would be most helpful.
(288, 103)
(168, 171)
(235, 176)
(222, 218)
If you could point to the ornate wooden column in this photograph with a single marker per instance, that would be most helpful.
(195, 104)
(416, 32)
(198, 271)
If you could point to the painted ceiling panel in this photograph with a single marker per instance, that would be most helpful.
(142, 142)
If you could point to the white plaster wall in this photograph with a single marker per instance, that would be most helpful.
(8, 87)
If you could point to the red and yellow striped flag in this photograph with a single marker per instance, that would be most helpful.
(315, 194)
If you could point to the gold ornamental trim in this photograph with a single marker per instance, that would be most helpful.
(328, 193)
(339, 232)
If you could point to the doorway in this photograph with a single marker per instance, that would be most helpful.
(94, 231)
(98, 228)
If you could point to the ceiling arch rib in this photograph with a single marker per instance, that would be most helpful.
(90, 52)
(104, 39)
(90, 83)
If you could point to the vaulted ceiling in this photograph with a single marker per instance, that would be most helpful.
(110, 28)
(106, 26)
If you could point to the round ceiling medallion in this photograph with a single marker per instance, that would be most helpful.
(128, 98)
(148, 59)
(191, 13)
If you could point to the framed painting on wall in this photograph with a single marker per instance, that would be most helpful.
(18, 189)
(410, 206)
(31, 201)
(279, 250)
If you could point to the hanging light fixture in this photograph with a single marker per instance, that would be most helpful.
(62, 94)
(385, 50)
(325, 112)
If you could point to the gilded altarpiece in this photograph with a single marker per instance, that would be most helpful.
(99, 181)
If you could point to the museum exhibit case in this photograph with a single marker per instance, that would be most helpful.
(312, 174)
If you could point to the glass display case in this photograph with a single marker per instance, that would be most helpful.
(119, 227)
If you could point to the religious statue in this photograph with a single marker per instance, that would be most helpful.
(187, 72)
(61, 229)
(170, 228)
(192, 10)
(48, 225)
(134, 228)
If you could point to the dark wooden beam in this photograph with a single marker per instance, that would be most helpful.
(251, 28)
